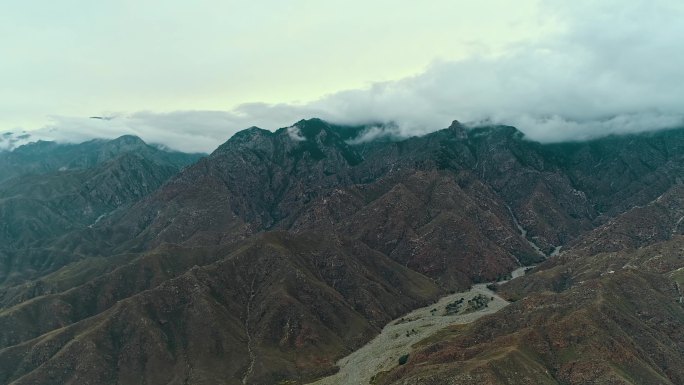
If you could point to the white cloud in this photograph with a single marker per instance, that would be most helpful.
(615, 68)
(295, 134)
(379, 132)
(10, 140)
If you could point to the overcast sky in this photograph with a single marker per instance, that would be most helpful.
(190, 74)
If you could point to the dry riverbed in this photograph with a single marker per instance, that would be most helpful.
(396, 339)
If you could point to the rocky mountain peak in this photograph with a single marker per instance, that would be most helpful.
(458, 129)
(253, 138)
(124, 143)
(128, 140)
(320, 139)
(313, 128)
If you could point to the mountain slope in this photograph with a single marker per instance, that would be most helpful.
(607, 311)
(63, 188)
(293, 304)
(283, 251)
(43, 157)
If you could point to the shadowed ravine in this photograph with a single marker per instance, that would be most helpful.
(397, 337)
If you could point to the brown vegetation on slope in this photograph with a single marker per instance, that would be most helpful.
(609, 318)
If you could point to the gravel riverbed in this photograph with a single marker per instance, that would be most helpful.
(396, 338)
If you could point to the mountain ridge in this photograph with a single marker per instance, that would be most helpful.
(272, 247)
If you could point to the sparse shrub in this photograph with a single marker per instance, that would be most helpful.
(453, 307)
(403, 359)
(478, 302)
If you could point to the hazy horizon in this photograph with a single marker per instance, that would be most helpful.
(190, 76)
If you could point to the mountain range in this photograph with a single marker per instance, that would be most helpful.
(271, 258)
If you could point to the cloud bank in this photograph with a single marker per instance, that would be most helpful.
(615, 68)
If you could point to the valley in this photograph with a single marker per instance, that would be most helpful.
(396, 339)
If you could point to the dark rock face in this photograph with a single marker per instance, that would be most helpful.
(282, 251)
(459, 130)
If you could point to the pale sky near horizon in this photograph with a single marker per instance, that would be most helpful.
(189, 74)
(82, 57)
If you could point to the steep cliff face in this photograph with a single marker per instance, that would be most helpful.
(280, 252)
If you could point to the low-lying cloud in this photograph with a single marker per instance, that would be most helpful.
(616, 68)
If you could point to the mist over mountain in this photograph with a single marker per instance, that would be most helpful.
(9, 140)
(598, 72)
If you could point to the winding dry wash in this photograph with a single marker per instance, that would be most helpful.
(397, 337)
